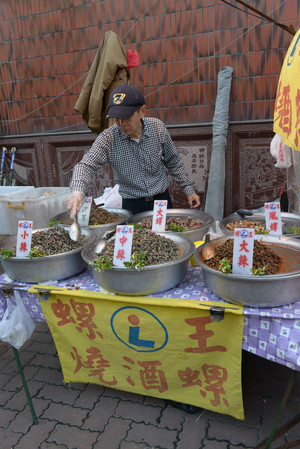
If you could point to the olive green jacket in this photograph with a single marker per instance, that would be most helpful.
(108, 71)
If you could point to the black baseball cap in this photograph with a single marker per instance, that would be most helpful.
(124, 101)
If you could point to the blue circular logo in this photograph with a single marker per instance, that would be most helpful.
(139, 329)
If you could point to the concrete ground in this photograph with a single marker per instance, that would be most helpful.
(86, 416)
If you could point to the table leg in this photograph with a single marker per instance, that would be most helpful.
(25, 385)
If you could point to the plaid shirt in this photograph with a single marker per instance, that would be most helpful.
(139, 167)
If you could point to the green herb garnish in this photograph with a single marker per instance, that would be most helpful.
(137, 260)
(6, 253)
(261, 230)
(225, 266)
(36, 252)
(52, 222)
(259, 271)
(101, 264)
(176, 228)
(294, 230)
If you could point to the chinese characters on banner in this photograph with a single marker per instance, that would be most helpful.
(159, 215)
(287, 105)
(85, 212)
(149, 346)
(273, 218)
(243, 251)
(123, 244)
(24, 238)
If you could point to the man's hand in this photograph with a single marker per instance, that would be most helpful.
(194, 200)
(74, 203)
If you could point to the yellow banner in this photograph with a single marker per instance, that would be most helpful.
(183, 350)
(287, 105)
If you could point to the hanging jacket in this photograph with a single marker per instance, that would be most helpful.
(108, 71)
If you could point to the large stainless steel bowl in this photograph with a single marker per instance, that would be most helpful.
(99, 230)
(193, 235)
(150, 279)
(259, 291)
(288, 221)
(48, 268)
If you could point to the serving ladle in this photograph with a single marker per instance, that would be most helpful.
(75, 230)
(101, 244)
(208, 251)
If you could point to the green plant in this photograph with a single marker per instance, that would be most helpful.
(52, 222)
(6, 253)
(101, 264)
(225, 266)
(36, 252)
(137, 260)
(294, 230)
(261, 230)
(259, 271)
(176, 228)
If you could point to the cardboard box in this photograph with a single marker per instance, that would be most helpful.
(36, 204)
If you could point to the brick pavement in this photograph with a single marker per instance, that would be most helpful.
(86, 416)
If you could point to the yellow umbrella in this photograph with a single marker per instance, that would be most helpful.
(287, 105)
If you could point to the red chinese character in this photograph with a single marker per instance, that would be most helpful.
(297, 124)
(123, 240)
(284, 108)
(24, 235)
(244, 246)
(62, 311)
(153, 378)
(159, 220)
(189, 377)
(128, 378)
(159, 213)
(243, 260)
(20, 225)
(23, 246)
(273, 216)
(120, 254)
(274, 226)
(84, 314)
(202, 335)
(215, 376)
(95, 362)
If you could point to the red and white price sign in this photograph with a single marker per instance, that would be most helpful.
(159, 215)
(85, 212)
(24, 238)
(243, 251)
(123, 244)
(273, 218)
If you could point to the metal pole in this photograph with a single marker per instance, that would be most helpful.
(25, 386)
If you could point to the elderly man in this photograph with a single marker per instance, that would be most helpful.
(140, 152)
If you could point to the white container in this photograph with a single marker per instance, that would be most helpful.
(37, 204)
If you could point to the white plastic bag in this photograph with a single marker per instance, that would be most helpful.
(281, 152)
(110, 198)
(16, 325)
(215, 231)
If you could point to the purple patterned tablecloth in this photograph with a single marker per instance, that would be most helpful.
(272, 333)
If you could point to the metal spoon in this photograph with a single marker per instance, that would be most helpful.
(208, 251)
(75, 230)
(101, 244)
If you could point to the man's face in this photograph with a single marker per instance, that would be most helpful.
(132, 126)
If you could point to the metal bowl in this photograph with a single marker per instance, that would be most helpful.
(150, 279)
(288, 220)
(258, 291)
(48, 268)
(193, 235)
(99, 230)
